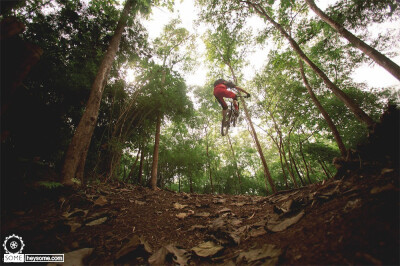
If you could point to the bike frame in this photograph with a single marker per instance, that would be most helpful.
(230, 118)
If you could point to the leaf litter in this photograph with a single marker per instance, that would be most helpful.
(225, 229)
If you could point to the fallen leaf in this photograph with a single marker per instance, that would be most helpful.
(179, 206)
(235, 237)
(179, 256)
(235, 222)
(269, 254)
(202, 214)
(136, 246)
(239, 204)
(181, 215)
(386, 170)
(377, 190)
(74, 258)
(75, 213)
(224, 210)
(74, 226)
(278, 226)
(351, 205)
(218, 223)
(257, 232)
(207, 249)
(219, 201)
(97, 222)
(138, 202)
(197, 226)
(101, 201)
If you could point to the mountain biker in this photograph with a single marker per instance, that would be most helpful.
(221, 91)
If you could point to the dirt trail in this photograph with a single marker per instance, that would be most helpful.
(352, 220)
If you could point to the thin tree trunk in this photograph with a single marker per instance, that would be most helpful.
(209, 163)
(305, 163)
(295, 168)
(153, 179)
(301, 171)
(281, 160)
(190, 183)
(327, 169)
(323, 168)
(140, 182)
(236, 166)
(288, 166)
(134, 165)
(283, 169)
(280, 157)
(353, 106)
(77, 149)
(254, 135)
(324, 113)
(375, 55)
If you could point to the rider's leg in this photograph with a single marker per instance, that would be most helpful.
(235, 104)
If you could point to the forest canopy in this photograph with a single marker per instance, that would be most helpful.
(88, 96)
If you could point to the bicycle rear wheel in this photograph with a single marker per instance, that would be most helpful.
(234, 119)
(225, 124)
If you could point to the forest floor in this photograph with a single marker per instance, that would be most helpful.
(351, 219)
(348, 221)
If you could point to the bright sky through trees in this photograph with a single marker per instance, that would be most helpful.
(186, 10)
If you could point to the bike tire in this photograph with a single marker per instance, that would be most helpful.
(234, 120)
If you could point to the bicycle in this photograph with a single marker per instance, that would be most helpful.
(230, 118)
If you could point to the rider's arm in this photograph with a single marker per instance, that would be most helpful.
(242, 90)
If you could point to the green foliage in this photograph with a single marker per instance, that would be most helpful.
(49, 185)
(193, 156)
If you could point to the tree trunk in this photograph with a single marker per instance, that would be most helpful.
(281, 160)
(295, 167)
(283, 169)
(134, 165)
(357, 111)
(327, 169)
(323, 168)
(190, 184)
(324, 113)
(288, 166)
(236, 166)
(140, 182)
(209, 163)
(77, 149)
(254, 135)
(375, 55)
(153, 179)
(305, 163)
